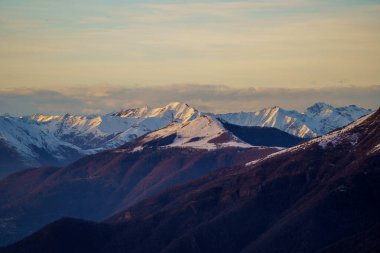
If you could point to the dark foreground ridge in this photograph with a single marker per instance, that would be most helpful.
(97, 186)
(321, 196)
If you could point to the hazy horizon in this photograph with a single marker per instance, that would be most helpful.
(207, 98)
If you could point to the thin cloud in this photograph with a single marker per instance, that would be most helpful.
(209, 98)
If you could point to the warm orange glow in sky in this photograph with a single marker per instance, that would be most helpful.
(291, 43)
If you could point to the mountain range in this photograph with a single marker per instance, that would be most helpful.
(321, 195)
(98, 185)
(40, 140)
(317, 120)
(44, 140)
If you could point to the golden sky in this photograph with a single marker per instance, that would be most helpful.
(288, 43)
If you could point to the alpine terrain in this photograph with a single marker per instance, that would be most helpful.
(99, 185)
(57, 140)
(317, 120)
(318, 196)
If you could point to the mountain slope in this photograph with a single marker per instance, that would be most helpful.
(205, 132)
(40, 140)
(10, 159)
(96, 186)
(309, 198)
(29, 146)
(115, 129)
(317, 120)
(263, 136)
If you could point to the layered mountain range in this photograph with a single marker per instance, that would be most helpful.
(41, 140)
(318, 196)
(98, 185)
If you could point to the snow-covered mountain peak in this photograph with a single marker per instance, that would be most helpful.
(328, 118)
(317, 120)
(25, 137)
(204, 132)
(175, 111)
(320, 111)
(349, 135)
(115, 129)
(319, 107)
(59, 137)
(180, 112)
(49, 139)
(64, 124)
(133, 113)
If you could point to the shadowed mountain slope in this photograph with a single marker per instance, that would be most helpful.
(263, 136)
(44, 140)
(320, 196)
(96, 186)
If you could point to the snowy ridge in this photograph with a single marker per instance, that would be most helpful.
(333, 139)
(59, 137)
(115, 129)
(45, 139)
(204, 132)
(317, 120)
(337, 137)
(26, 138)
(175, 111)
